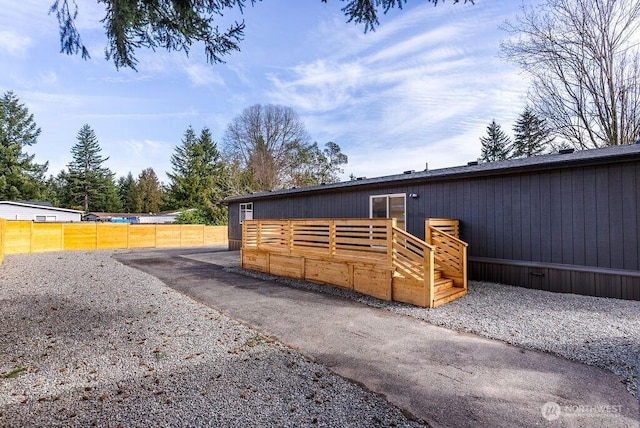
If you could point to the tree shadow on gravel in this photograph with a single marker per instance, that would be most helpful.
(42, 323)
(253, 384)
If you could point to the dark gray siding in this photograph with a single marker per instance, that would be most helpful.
(619, 284)
(581, 215)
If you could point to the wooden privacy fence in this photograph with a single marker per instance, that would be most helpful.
(371, 256)
(19, 237)
(3, 224)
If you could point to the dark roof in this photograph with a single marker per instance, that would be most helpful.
(39, 203)
(550, 161)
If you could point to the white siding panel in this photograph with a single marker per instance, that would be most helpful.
(16, 212)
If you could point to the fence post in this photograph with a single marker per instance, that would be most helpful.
(428, 277)
(463, 261)
(2, 232)
(259, 235)
(390, 224)
(290, 236)
(31, 238)
(332, 238)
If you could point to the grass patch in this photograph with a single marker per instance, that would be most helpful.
(255, 340)
(159, 355)
(15, 373)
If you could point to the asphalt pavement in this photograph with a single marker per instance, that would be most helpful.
(443, 377)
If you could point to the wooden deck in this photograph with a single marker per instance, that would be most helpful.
(370, 256)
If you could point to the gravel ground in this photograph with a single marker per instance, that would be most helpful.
(85, 340)
(592, 330)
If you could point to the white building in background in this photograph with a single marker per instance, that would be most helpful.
(40, 212)
(134, 218)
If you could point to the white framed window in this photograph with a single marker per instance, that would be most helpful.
(389, 206)
(246, 211)
(46, 218)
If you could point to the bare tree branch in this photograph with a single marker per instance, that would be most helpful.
(583, 61)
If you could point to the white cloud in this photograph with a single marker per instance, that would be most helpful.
(138, 147)
(421, 89)
(319, 86)
(415, 45)
(139, 115)
(202, 75)
(48, 78)
(51, 101)
(14, 44)
(123, 78)
(135, 155)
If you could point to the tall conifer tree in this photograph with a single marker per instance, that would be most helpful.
(495, 146)
(88, 181)
(127, 192)
(20, 177)
(149, 194)
(197, 180)
(531, 135)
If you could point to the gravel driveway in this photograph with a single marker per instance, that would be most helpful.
(85, 340)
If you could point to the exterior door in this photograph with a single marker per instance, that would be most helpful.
(389, 206)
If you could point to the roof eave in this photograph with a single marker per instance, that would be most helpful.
(540, 163)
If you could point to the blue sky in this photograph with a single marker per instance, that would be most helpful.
(420, 89)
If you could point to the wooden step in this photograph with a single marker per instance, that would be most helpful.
(442, 284)
(439, 280)
(448, 295)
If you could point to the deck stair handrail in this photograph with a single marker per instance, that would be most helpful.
(409, 254)
(450, 251)
(447, 225)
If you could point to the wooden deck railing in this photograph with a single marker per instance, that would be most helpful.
(450, 252)
(344, 238)
(334, 245)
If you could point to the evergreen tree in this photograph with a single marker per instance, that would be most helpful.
(150, 196)
(52, 191)
(531, 136)
(88, 181)
(192, 216)
(198, 177)
(178, 25)
(178, 192)
(20, 177)
(495, 146)
(108, 199)
(63, 191)
(127, 191)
